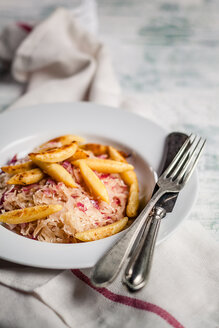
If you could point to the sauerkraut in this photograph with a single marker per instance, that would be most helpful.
(80, 210)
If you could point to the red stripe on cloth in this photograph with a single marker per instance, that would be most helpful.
(129, 301)
(26, 27)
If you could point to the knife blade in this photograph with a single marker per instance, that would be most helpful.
(174, 141)
(138, 268)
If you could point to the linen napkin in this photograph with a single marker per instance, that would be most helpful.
(60, 61)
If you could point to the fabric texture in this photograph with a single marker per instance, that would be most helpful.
(59, 61)
(75, 66)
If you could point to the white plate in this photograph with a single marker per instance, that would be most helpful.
(21, 130)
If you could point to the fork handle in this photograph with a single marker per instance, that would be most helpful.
(138, 269)
(108, 267)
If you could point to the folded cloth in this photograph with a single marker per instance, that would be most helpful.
(60, 61)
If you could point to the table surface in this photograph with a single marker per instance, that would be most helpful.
(166, 51)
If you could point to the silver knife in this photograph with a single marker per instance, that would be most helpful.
(137, 271)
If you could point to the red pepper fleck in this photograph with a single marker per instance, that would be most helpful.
(104, 175)
(81, 207)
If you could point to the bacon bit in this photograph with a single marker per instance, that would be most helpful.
(81, 207)
(13, 160)
(117, 201)
(104, 175)
(95, 203)
(67, 165)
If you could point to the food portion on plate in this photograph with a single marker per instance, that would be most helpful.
(67, 191)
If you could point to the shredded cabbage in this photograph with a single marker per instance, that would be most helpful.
(80, 212)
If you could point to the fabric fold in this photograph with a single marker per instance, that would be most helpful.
(75, 66)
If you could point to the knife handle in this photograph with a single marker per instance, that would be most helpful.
(138, 269)
(110, 264)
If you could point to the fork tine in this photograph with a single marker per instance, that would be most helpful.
(188, 172)
(186, 158)
(179, 154)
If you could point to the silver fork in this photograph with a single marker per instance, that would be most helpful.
(173, 179)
